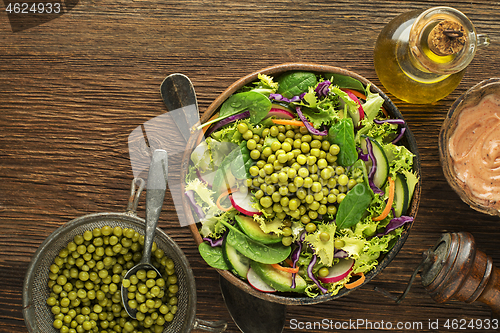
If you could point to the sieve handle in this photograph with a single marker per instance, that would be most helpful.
(133, 200)
(210, 326)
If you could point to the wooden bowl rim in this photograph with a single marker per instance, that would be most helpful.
(408, 138)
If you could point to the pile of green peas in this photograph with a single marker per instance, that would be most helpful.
(85, 284)
(295, 177)
(145, 293)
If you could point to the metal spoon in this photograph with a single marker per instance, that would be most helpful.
(251, 314)
(155, 194)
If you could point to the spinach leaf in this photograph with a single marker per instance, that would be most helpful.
(295, 83)
(212, 255)
(354, 205)
(342, 134)
(266, 254)
(255, 102)
(220, 174)
(242, 162)
(347, 82)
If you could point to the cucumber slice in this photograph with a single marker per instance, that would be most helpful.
(382, 171)
(238, 263)
(401, 195)
(279, 280)
(252, 229)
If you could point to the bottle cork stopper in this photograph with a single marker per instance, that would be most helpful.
(446, 38)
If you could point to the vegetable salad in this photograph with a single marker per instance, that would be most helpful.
(300, 184)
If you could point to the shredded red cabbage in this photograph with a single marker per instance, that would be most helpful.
(226, 121)
(400, 135)
(323, 88)
(281, 98)
(361, 156)
(340, 254)
(374, 188)
(312, 277)
(390, 121)
(309, 127)
(396, 223)
(214, 242)
(369, 148)
(197, 208)
(295, 256)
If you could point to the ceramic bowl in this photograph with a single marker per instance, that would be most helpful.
(408, 140)
(470, 98)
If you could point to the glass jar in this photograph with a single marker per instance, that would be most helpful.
(413, 57)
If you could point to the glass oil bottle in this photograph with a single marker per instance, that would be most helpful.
(420, 57)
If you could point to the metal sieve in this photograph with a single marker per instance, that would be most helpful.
(36, 312)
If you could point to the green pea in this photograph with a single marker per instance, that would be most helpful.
(266, 202)
(255, 154)
(310, 227)
(312, 214)
(316, 187)
(287, 231)
(325, 145)
(301, 193)
(274, 131)
(248, 135)
(308, 182)
(311, 159)
(242, 128)
(286, 146)
(283, 190)
(251, 144)
(338, 243)
(340, 197)
(314, 205)
(266, 152)
(334, 149)
(307, 137)
(282, 158)
(301, 159)
(324, 236)
(343, 179)
(286, 241)
(323, 271)
(275, 146)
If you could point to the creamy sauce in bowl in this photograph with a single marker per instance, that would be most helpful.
(475, 149)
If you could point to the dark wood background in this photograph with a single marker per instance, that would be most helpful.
(73, 88)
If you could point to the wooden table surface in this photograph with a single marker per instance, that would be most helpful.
(73, 88)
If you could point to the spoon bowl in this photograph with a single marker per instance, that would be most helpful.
(155, 194)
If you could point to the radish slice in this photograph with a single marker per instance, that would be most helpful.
(255, 281)
(207, 177)
(280, 114)
(339, 271)
(243, 203)
(361, 113)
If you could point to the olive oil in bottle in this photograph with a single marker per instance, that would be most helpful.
(420, 57)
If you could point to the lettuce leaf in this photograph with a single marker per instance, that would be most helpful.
(373, 104)
(324, 250)
(368, 259)
(399, 157)
(267, 226)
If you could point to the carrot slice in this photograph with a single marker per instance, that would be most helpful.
(363, 97)
(388, 206)
(223, 195)
(356, 283)
(286, 269)
(288, 122)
